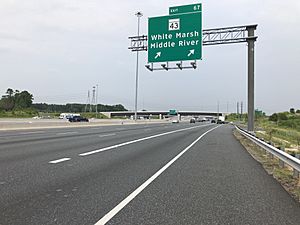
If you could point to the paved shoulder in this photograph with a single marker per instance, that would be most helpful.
(215, 182)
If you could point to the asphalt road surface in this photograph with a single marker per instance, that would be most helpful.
(136, 174)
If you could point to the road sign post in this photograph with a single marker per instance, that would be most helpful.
(251, 113)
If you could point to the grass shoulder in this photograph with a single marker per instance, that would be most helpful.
(271, 164)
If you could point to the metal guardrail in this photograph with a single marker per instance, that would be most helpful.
(281, 155)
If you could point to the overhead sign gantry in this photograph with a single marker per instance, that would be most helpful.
(175, 28)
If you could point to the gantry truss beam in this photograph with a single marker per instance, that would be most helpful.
(215, 36)
(138, 43)
(227, 35)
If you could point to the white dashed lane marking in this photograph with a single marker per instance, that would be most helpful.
(107, 135)
(59, 160)
(136, 140)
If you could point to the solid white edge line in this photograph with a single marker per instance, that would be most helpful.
(138, 140)
(64, 133)
(130, 197)
(33, 132)
(59, 160)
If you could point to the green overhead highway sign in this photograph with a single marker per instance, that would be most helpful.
(173, 112)
(185, 9)
(175, 37)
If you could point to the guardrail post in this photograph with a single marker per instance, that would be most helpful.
(270, 154)
(281, 163)
(296, 172)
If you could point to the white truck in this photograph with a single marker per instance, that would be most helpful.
(222, 118)
(68, 115)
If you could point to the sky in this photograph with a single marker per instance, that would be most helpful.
(59, 49)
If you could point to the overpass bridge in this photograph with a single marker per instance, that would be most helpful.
(162, 114)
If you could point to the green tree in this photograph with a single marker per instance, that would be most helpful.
(274, 117)
(282, 116)
(23, 100)
(292, 110)
(16, 100)
(7, 103)
(10, 92)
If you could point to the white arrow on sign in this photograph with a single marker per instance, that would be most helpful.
(192, 52)
(157, 55)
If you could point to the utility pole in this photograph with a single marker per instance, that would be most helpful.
(139, 15)
(218, 110)
(238, 109)
(93, 100)
(241, 110)
(97, 100)
(87, 101)
(227, 106)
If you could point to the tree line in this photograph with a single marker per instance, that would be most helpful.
(14, 100)
(76, 107)
(289, 119)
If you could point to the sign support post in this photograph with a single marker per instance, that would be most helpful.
(250, 42)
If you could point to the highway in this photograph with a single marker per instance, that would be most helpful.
(136, 174)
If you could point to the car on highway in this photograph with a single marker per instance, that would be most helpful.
(213, 121)
(220, 122)
(202, 119)
(175, 121)
(192, 120)
(78, 119)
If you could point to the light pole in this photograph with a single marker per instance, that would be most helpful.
(139, 15)
(218, 110)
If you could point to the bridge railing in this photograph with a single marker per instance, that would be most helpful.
(281, 155)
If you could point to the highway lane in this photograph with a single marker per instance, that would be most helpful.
(208, 184)
(35, 133)
(216, 182)
(25, 169)
(55, 143)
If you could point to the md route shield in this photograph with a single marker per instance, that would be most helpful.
(175, 37)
